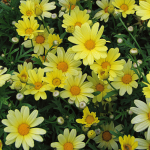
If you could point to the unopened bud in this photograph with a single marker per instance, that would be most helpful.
(18, 86)
(11, 62)
(88, 11)
(3, 55)
(13, 22)
(130, 28)
(85, 129)
(111, 116)
(133, 51)
(54, 16)
(63, 9)
(55, 43)
(38, 10)
(134, 65)
(116, 14)
(97, 131)
(9, 105)
(119, 40)
(10, 81)
(60, 120)
(130, 112)
(82, 105)
(70, 29)
(19, 96)
(111, 9)
(15, 40)
(139, 61)
(56, 93)
(70, 101)
(91, 134)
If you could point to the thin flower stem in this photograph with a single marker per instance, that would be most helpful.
(87, 141)
(47, 52)
(111, 85)
(45, 24)
(11, 47)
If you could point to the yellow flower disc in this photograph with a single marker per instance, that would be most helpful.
(40, 39)
(72, 7)
(105, 64)
(90, 44)
(28, 31)
(29, 13)
(149, 115)
(106, 10)
(62, 66)
(124, 7)
(78, 24)
(89, 119)
(126, 78)
(75, 90)
(106, 136)
(68, 146)
(38, 85)
(100, 87)
(127, 147)
(56, 81)
(23, 129)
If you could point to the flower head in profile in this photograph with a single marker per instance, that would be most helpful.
(77, 90)
(69, 141)
(128, 142)
(27, 27)
(89, 45)
(126, 81)
(88, 118)
(20, 126)
(36, 86)
(3, 77)
(76, 18)
(106, 139)
(142, 120)
(126, 7)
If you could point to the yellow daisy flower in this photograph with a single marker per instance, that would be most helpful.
(103, 14)
(89, 45)
(126, 81)
(106, 139)
(55, 79)
(69, 141)
(76, 18)
(22, 76)
(115, 67)
(142, 120)
(77, 90)
(40, 41)
(146, 90)
(128, 143)
(3, 77)
(98, 85)
(1, 145)
(63, 61)
(88, 118)
(27, 27)
(36, 85)
(20, 126)
(143, 11)
(126, 7)
(143, 144)
(27, 9)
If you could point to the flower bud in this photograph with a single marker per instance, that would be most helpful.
(97, 131)
(13, 22)
(70, 29)
(91, 134)
(18, 86)
(63, 9)
(111, 9)
(134, 65)
(11, 62)
(15, 40)
(111, 116)
(119, 40)
(10, 81)
(130, 112)
(117, 14)
(55, 43)
(3, 55)
(38, 10)
(85, 129)
(60, 120)
(54, 16)
(82, 105)
(70, 101)
(19, 96)
(9, 105)
(56, 93)
(133, 51)
(130, 28)
(88, 11)
(139, 62)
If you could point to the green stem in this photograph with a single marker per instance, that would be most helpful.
(47, 52)
(140, 50)
(44, 24)
(84, 69)
(59, 19)
(11, 47)
(87, 141)
(111, 85)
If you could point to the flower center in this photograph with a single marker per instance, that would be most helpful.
(90, 44)
(23, 129)
(72, 7)
(124, 7)
(106, 10)
(127, 147)
(126, 79)
(105, 64)
(100, 87)
(89, 119)
(78, 24)
(28, 31)
(38, 85)
(40, 39)
(106, 136)
(29, 13)
(68, 146)
(149, 115)
(62, 66)
(56, 81)
(75, 90)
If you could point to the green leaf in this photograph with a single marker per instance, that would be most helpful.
(96, 93)
(109, 94)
